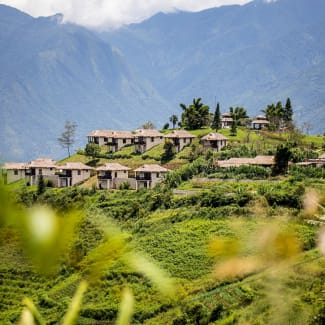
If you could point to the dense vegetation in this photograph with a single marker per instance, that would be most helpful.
(206, 246)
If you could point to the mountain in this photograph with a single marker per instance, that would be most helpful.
(249, 55)
(52, 72)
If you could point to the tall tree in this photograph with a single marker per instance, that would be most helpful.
(288, 113)
(169, 151)
(196, 115)
(173, 119)
(67, 138)
(240, 114)
(216, 123)
(281, 158)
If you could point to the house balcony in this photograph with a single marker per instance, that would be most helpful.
(143, 177)
(139, 141)
(64, 174)
(104, 176)
(30, 172)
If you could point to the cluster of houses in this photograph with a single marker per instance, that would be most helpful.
(112, 175)
(144, 139)
(109, 175)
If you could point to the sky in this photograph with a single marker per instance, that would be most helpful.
(111, 13)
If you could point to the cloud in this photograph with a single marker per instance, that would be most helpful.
(111, 13)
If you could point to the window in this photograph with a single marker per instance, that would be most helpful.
(152, 139)
(184, 140)
(15, 172)
(157, 175)
(79, 172)
(40, 172)
(124, 140)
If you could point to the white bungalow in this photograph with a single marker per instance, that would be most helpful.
(111, 175)
(144, 139)
(226, 120)
(214, 141)
(72, 173)
(14, 171)
(260, 122)
(180, 138)
(41, 166)
(147, 176)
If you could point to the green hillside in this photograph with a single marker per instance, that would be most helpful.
(204, 247)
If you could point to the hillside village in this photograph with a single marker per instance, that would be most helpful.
(114, 175)
(234, 215)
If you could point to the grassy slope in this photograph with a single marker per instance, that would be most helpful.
(178, 243)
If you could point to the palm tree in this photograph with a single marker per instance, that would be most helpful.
(173, 119)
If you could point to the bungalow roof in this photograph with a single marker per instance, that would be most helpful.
(147, 133)
(111, 134)
(214, 136)
(154, 168)
(13, 165)
(74, 166)
(112, 167)
(179, 134)
(42, 163)
(264, 160)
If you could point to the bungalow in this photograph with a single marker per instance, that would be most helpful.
(72, 173)
(147, 176)
(118, 140)
(41, 166)
(144, 139)
(115, 140)
(226, 120)
(14, 171)
(260, 122)
(111, 175)
(99, 137)
(264, 161)
(215, 141)
(180, 138)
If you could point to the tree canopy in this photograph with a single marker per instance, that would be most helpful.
(67, 138)
(196, 115)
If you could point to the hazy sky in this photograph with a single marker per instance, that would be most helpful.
(111, 13)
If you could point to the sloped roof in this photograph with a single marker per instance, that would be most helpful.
(100, 133)
(264, 160)
(112, 167)
(74, 166)
(42, 163)
(147, 133)
(179, 134)
(214, 136)
(13, 165)
(111, 134)
(236, 162)
(226, 115)
(260, 122)
(152, 168)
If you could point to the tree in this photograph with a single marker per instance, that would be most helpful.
(166, 126)
(92, 150)
(67, 138)
(41, 186)
(240, 115)
(275, 113)
(148, 125)
(288, 113)
(233, 130)
(281, 158)
(169, 151)
(173, 119)
(216, 123)
(196, 115)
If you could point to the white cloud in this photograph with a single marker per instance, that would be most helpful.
(110, 13)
